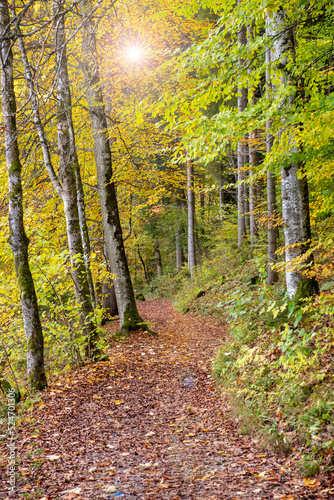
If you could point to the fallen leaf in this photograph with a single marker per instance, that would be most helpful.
(310, 482)
(111, 489)
(52, 457)
(146, 465)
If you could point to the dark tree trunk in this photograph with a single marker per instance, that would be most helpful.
(128, 313)
(109, 302)
(191, 218)
(180, 258)
(144, 266)
(17, 238)
(157, 256)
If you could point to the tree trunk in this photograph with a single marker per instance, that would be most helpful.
(246, 193)
(128, 313)
(271, 187)
(252, 149)
(221, 191)
(144, 266)
(84, 234)
(253, 162)
(191, 218)
(17, 238)
(178, 236)
(69, 171)
(109, 302)
(295, 203)
(241, 151)
(157, 256)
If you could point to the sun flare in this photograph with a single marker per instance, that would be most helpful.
(134, 53)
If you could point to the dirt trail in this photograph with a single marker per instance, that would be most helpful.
(149, 424)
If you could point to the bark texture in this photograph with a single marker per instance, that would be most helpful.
(128, 313)
(295, 203)
(191, 218)
(17, 239)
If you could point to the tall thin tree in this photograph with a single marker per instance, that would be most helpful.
(127, 308)
(271, 182)
(241, 149)
(295, 202)
(17, 238)
(191, 217)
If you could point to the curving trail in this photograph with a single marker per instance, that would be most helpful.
(149, 424)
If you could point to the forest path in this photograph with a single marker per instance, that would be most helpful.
(149, 424)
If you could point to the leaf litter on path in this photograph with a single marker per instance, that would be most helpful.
(148, 424)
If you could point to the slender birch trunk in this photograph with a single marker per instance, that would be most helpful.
(157, 256)
(191, 218)
(69, 173)
(295, 203)
(17, 238)
(130, 319)
(241, 151)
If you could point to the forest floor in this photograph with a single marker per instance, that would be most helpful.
(149, 424)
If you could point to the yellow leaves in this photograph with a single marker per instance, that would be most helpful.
(118, 402)
(311, 483)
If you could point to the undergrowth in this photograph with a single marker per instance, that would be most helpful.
(276, 364)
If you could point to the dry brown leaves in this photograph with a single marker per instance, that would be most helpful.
(149, 424)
